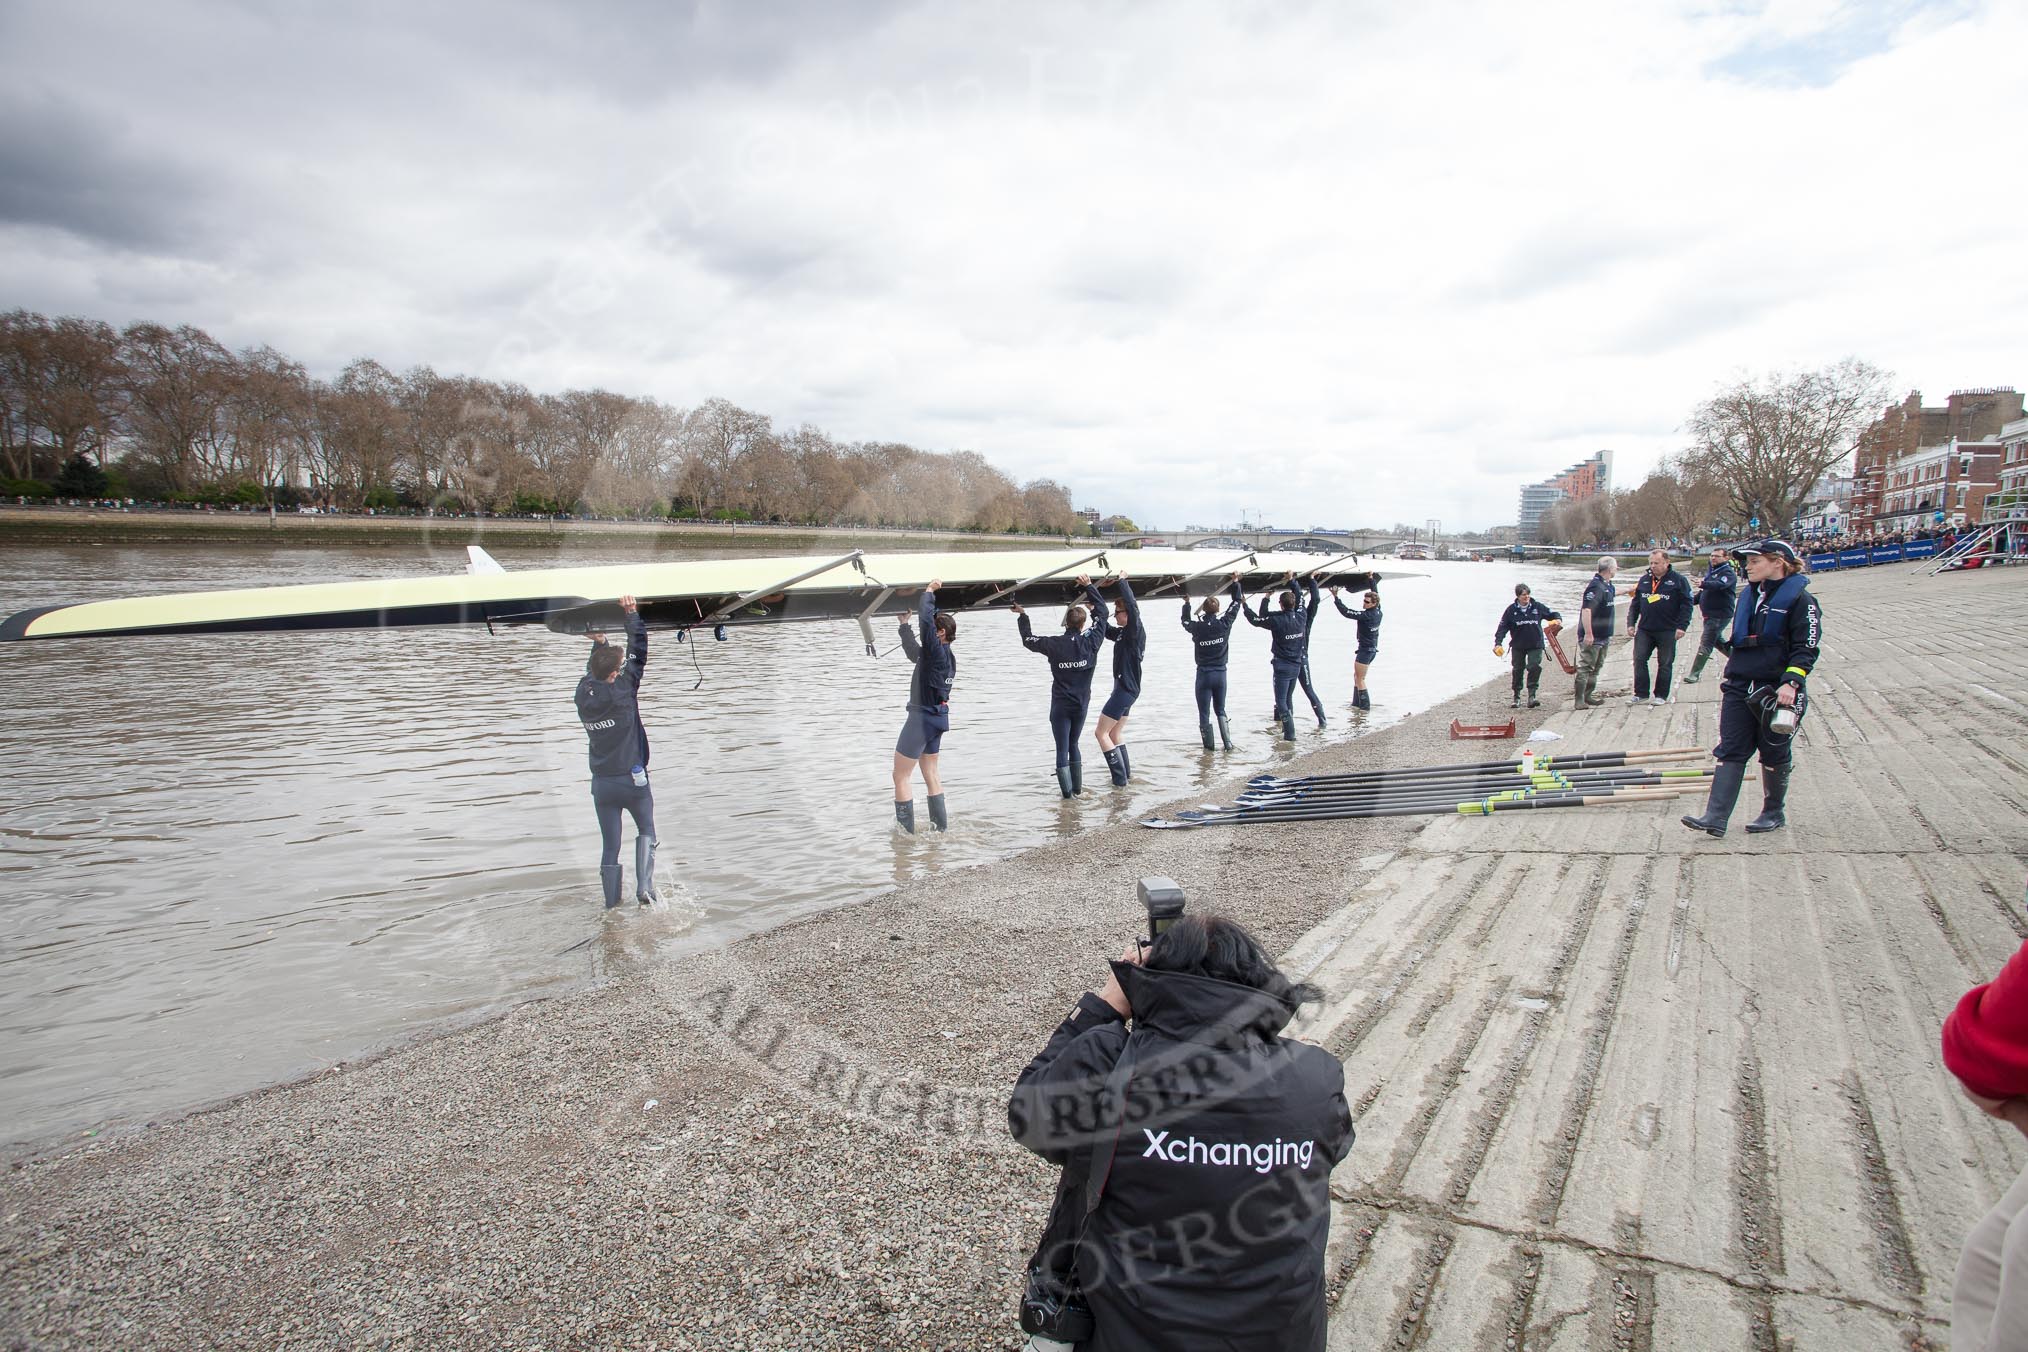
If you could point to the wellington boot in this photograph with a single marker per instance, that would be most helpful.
(1076, 775)
(1063, 781)
(1126, 762)
(1580, 692)
(1205, 728)
(1288, 727)
(939, 816)
(644, 870)
(1697, 668)
(904, 813)
(609, 879)
(1225, 731)
(1774, 789)
(1361, 700)
(1116, 765)
(1725, 782)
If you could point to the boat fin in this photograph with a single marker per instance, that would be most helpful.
(479, 563)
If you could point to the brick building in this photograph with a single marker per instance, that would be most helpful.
(1909, 430)
(2013, 491)
(1955, 479)
(1587, 478)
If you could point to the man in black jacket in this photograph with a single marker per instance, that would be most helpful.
(1073, 657)
(1210, 641)
(1717, 593)
(608, 705)
(1524, 620)
(1214, 1210)
(1595, 631)
(1289, 629)
(1658, 615)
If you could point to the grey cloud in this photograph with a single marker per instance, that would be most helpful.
(69, 169)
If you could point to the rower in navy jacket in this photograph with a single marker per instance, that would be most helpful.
(1770, 654)
(929, 708)
(1130, 645)
(1368, 619)
(1211, 641)
(1289, 626)
(1717, 596)
(1073, 658)
(607, 701)
(1524, 621)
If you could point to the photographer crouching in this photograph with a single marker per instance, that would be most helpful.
(1196, 1151)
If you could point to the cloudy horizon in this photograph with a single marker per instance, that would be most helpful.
(1333, 265)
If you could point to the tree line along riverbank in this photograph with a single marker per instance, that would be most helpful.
(50, 525)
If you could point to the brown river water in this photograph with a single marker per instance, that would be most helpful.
(227, 861)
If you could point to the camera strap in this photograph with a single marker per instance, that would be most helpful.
(1117, 1085)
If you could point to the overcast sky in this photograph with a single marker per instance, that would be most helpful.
(1355, 263)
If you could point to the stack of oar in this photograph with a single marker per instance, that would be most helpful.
(1586, 780)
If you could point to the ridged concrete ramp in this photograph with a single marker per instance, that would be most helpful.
(1620, 1085)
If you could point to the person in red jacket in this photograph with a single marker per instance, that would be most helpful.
(1985, 1044)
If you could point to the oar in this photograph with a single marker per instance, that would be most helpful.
(1547, 778)
(1587, 760)
(1443, 793)
(1477, 807)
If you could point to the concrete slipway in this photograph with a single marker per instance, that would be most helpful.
(1621, 1085)
(1618, 1085)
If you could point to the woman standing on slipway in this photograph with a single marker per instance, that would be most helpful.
(1773, 649)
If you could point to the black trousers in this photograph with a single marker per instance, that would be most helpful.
(1742, 732)
(1663, 645)
(1210, 692)
(1529, 662)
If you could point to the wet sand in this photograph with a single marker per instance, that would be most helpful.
(796, 1141)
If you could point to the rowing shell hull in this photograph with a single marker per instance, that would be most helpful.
(671, 595)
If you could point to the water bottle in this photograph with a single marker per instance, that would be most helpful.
(640, 773)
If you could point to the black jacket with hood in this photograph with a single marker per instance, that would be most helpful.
(1210, 1231)
(611, 713)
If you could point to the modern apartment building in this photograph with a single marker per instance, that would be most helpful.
(1585, 479)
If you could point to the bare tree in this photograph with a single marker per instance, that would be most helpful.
(268, 419)
(1768, 438)
(178, 381)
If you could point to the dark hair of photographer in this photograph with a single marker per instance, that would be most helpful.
(1211, 945)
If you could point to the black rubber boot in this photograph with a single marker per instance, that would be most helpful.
(904, 812)
(1361, 700)
(609, 879)
(1318, 709)
(1225, 732)
(1288, 727)
(644, 870)
(939, 817)
(1724, 793)
(1064, 782)
(1774, 789)
(1076, 775)
(1116, 765)
(1579, 690)
(1205, 728)
(1517, 698)
(1696, 673)
(1126, 763)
